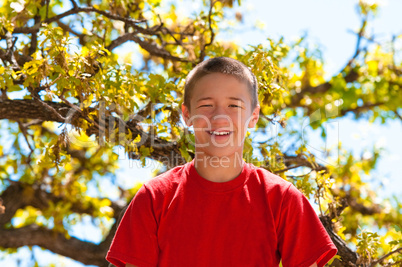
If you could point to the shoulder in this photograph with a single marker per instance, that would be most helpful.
(268, 179)
(274, 187)
(168, 180)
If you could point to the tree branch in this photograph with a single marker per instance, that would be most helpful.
(319, 89)
(365, 107)
(33, 235)
(2, 208)
(21, 59)
(362, 209)
(25, 133)
(10, 51)
(202, 54)
(149, 47)
(289, 168)
(348, 256)
(83, 38)
(300, 160)
(76, 10)
(19, 195)
(360, 35)
(398, 115)
(351, 76)
(34, 35)
(374, 263)
(163, 151)
(74, 4)
(31, 109)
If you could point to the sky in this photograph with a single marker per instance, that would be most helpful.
(328, 23)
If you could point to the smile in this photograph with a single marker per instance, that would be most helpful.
(219, 133)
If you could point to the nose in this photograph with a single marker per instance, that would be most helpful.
(220, 116)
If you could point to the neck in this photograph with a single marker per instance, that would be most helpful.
(218, 169)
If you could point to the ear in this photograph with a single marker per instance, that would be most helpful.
(186, 114)
(254, 117)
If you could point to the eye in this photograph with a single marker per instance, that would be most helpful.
(205, 106)
(234, 106)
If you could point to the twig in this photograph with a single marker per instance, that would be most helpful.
(74, 4)
(10, 52)
(202, 55)
(299, 176)
(36, 97)
(170, 33)
(399, 250)
(47, 8)
(290, 168)
(359, 38)
(4, 94)
(398, 115)
(397, 263)
(79, 110)
(393, 48)
(149, 47)
(34, 37)
(273, 121)
(366, 106)
(24, 132)
(32, 122)
(80, 36)
(21, 60)
(370, 39)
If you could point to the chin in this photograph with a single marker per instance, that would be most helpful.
(220, 152)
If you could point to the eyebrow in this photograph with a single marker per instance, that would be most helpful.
(236, 98)
(210, 98)
(204, 98)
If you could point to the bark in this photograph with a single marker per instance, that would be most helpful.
(164, 151)
(320, 89)
(348, 256)
(33, 235)
(19, 195)
(31, 109)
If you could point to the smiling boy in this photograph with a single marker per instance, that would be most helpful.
(218, 210)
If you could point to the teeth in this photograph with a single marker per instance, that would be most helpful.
(219, 133)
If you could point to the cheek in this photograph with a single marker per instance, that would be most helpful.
(240, 120)
(200, 120)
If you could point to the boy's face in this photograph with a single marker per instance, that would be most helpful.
(220, 113)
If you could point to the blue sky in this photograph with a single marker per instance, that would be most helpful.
(328, 24)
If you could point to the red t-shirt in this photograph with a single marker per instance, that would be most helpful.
(257, 219)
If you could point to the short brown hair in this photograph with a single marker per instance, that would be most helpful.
(224, 65)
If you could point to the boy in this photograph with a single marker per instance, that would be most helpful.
(218, 210)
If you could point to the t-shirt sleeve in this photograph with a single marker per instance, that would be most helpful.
(302, 239)
(135, 241)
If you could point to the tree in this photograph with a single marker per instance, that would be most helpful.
(68, 101)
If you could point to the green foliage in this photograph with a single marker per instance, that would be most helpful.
(111, 77)
(367, 246)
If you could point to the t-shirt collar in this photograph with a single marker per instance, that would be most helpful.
(215, 186)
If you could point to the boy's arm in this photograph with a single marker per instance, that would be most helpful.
(314, 265)
(299, 219)
(135, 241)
